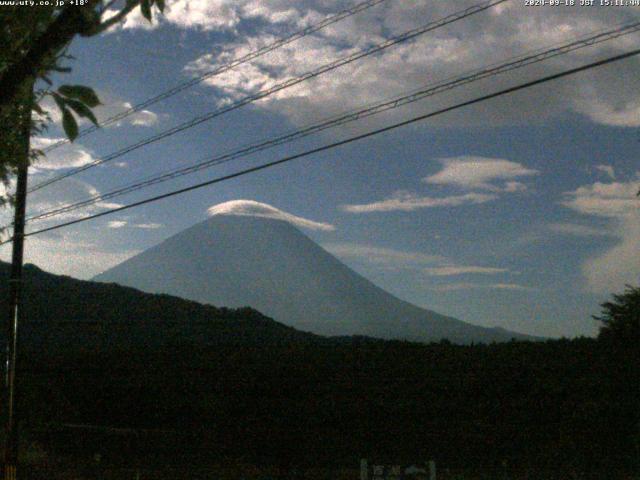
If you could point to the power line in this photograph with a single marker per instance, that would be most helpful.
(518, 62)
(226, 67)
(343, 142)
(408, 35)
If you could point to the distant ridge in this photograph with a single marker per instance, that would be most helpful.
(65, 313)
(273, 267)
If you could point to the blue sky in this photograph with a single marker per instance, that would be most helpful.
(519, 212)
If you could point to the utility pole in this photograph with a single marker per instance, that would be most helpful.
(15, 295)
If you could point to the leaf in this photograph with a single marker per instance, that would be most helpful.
(59, 100)
(38, 109)
(69, 124)
(160, 4)
(85, 94)
(145, 8)
(82, 110)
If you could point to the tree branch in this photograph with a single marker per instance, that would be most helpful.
(113, 20)
(58, 34)
(70, 22)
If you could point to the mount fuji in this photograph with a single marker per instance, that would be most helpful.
(255, 256)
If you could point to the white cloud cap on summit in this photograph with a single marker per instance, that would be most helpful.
(251, 208)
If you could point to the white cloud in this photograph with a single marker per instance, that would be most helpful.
(381, 256)
(8, 188)
(577, 230)
(606, 95)
(69, 253)
(608, 170)
(391, 259)
(209, 15)
(109, 107)
(71, 191)
(144, 118)
(134, 20)
(80, 251)
(149, 226)
(620, 264)
(490, 286)
(204, 14)
(613, 199)
(403, 201)
(70, 155)
(125, 223)
(448, 270)
(480, 172)
(116, 224)
(617, 202)
(51, 110)
(251, 208)
(618, 113)
(260, 9)
(512, 187)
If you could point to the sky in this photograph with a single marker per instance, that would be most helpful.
(520, 212)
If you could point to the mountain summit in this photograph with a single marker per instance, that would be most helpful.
(265, 262)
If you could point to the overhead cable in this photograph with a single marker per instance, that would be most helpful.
(425, 92)
(323, 148)
(408, 35)
(224, 68)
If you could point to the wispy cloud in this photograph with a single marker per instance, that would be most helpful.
(620, 264)
(70, 155)
(608, 170)
(125, 223)
(577, 230)
(621, 114)
(116, 224)
(80, 255)
(617, 202)
(149, 226)
(449, 270)
(144, 118)
(613, 199)
(472, 172)
(388, 258)
(468, 172)
(74, 190)
(408, 202)
(109, 107)
(489, 286)
(381, 256)
(251, 208)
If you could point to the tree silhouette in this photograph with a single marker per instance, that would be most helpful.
(620, 318)
(34, 43)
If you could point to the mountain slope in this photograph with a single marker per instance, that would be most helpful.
(62, 313)
(270, 265)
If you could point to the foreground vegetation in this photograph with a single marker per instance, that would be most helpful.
(267, 401)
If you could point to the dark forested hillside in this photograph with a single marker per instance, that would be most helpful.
(246, 390)
(64, 312)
